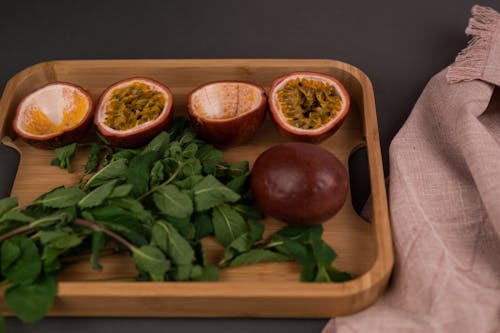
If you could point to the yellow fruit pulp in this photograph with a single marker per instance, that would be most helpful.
(37, 122)
(308, 104)
(133, 105)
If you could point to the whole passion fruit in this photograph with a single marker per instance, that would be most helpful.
(299, 183)
(227, 113)
(308, 106)
(54, 115)
(132, 111)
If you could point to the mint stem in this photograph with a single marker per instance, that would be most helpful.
(166, 182)
(273, 244)
(97, 227)
(17, 231)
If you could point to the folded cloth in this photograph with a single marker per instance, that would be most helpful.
(444, 197)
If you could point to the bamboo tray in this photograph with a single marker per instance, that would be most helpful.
(262, 290)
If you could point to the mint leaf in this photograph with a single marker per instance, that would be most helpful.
(203, 225)
(16, 216)
(116, 169)
(181, 272)
(322, 252)
(208, 153)
(191, 167)
(187, 137)
(31, 302)
(228, 224)
(338, 275)
(159, 143)
(151, 260)
(183, 226)
(190, 151)
(59, 217)
(62, 197)
(171, 242)
(240, 184)
(322, 275)
(120, 221)
(126, 154)
(248, 211)
(297, 251)
(93, 159)
(210, 193)
(65, 156)
(130, 204)
(208, 273)
(257, 255)
(188, 182)
(21, 262)
(6, 204)
(239, 169)
(98, 243)
(244, 242)
(157, 174)
(169, 200)
(121, 191)
(138, 171)
(97, 196)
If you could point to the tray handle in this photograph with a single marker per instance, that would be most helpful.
(9, 164)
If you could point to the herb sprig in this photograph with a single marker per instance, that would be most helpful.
(156, 203)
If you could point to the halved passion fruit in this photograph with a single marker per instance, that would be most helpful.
(227, 113)
(133, 111)
(54, 115)
(308, 106)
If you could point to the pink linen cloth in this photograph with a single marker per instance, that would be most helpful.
(444, 196)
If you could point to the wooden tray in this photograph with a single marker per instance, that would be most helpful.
(262, 290)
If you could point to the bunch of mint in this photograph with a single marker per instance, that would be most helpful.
(156, 203)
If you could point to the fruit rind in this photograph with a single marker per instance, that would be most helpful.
(299, 183)
(226, 132)
(54, 140)
(141, 134)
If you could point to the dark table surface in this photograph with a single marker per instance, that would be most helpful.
(398, 44)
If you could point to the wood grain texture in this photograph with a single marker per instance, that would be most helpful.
(262, 290)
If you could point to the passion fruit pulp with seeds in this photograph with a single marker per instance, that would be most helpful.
(132, 111)
(227, 113)
(299, 183)
(308, 106)
(54, 115)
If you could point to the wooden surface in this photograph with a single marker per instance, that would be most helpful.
(262, 290)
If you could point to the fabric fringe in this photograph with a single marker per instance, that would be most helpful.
(471, 61)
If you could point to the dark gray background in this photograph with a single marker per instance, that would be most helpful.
(398, 44)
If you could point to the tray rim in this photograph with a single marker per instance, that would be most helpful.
(371, 283)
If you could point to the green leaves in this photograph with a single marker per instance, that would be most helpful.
(98, 243)
(228, 224)
(65, 156)
(62, 197)
(171, 201)
(117, 169)
(97, 196)
(151, 260)
(139, 170)
(30, 302)
(210, 192)
(93, 159)
(306, 247)
(256, 256)
(6, 204)
(171, 242)
(21, 262)
(156, 203)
